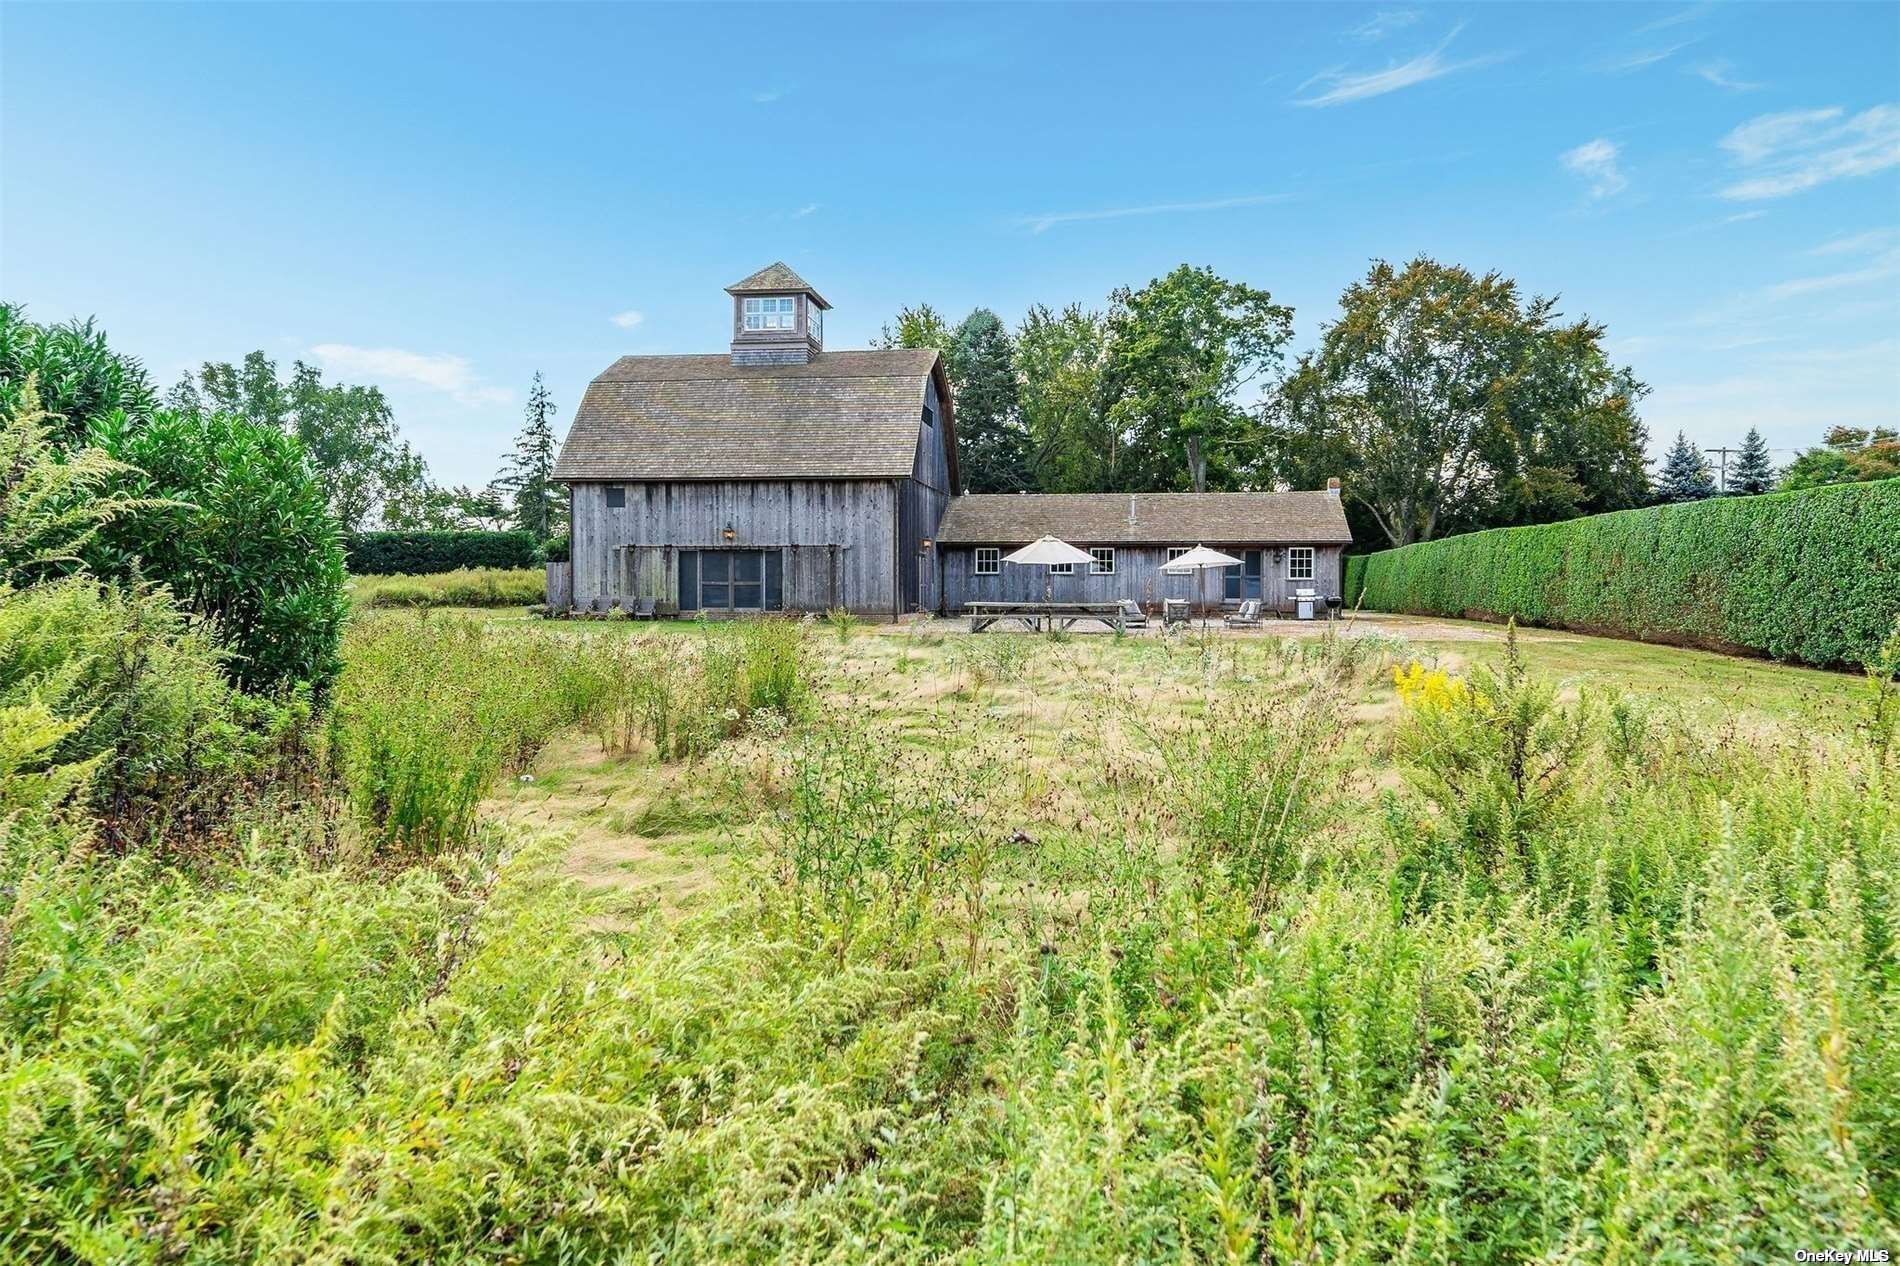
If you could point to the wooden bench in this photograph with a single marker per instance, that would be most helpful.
(1035, 616)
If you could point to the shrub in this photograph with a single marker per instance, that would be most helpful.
(1812, 575)
(80, 378)
(139, 698)
(1355, 580)
(464, 587)
(426, 553)
(247, 541)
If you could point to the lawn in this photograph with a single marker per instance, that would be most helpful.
(798, 942)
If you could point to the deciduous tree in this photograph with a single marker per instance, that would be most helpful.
(1847, 455)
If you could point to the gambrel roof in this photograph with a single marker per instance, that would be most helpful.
(845, 415)
(1147, 518)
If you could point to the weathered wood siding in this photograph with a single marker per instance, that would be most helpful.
(925, 495)
(1138, 575)
(837, 538)
(560, 586)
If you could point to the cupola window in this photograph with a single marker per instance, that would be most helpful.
(771, 313)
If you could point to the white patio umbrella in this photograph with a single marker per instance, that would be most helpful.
(1047, 551)
(1197, 562)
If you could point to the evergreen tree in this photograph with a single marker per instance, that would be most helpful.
(992, 443)
(1753, 472)
(1685, 473)
(526, 484)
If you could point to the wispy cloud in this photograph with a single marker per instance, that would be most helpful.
(1721, 73)
(1677, 18)
(628, 319)
(1796, 150)
(809, 208)
(767, 97)
(1741, 216)
(1383, 23)
(453, 376)
(1882, 269)
(1342, 86)
(1642, 58)
(1872, 240)
(1596, 162)
(1043, 223)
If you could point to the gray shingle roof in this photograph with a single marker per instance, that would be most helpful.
(1146, 518)
(776, 279)
(846, 415)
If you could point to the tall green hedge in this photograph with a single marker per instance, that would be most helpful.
(426, 553)
(1355, 585)
(1811, 575)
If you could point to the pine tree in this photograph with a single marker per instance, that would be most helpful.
(1753, 471)
(992, 443)
(527, 480)
(1685, 473)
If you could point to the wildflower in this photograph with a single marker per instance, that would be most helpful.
(1421, 687)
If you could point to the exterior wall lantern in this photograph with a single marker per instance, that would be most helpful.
(926, 545)
(728, 535)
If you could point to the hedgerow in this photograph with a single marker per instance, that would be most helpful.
(1811, 575)
(425, 553)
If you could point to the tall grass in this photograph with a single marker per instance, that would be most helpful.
(463, 587)
(1276, 990)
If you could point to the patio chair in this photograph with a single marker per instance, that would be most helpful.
(1133, 617)
(1247, 615)
(1174, 611)
(643, 609)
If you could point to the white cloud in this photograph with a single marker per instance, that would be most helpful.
(1383, 23)
(808, 209)
(1642, 59)
(1796, 150)
(1741, 216)
(1042, 223)
(1596, 162)
(1872, 240)
(453, 376)
(628, 319)
(1343, 86)
(1881, 269)
(1673, 19)
(767, 97)
(1721, 73)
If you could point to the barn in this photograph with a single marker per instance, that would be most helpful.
(780, 476)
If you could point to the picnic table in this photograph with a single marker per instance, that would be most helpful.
(1034, 616)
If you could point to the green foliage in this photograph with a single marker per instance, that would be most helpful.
(1847, 455)
(1685, 474)
(992, 444)
(245, 539)
(463, 587)
(1447, 401)
(140, 702)
(431, 711)
(538, 504)
(425, 553)
(1798, 575)
(1060, 356)
(1354, 580)
(843, 622)
(80, 378)
(348, 432)
(1754, 473)
(52, 504)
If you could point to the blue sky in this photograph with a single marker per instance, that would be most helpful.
(444, 199)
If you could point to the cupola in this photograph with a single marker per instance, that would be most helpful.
(777, 318)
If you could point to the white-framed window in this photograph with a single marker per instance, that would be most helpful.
(989, 560)
(1175, 551)
(815, 322)
(1062, 569)
(1299, 562)
(770, 313)
(1101, 560)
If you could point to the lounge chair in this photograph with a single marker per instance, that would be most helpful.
(642, 608)
(1133, 617)
(1247, 615)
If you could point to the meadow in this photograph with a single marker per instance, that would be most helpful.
(595, 942)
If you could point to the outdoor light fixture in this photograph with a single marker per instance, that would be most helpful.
(926, 545)
(728, 534)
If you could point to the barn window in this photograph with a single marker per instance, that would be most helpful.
(1062, 569)
(930, 416)
(989, 561)
(616, 497)
(1174, 552)
(1101, 561)
(770, 314)
(1299, 563)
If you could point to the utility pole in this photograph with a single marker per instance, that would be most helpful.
(1722, 478)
